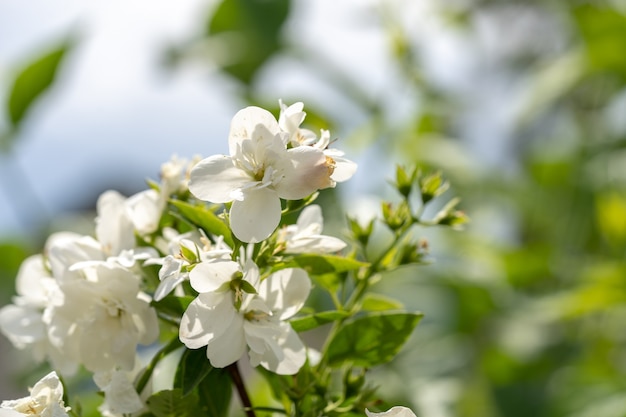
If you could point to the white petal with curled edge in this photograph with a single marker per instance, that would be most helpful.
(207, 317)
(229, 346)
(292, 353)
(310, 220)
(397, 411)
(255, 217)
(344, 168)
(304, 171)
(245, 121)
(209, 276)
(216, 178)
(286, 291)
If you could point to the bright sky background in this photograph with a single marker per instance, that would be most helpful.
(115, 115)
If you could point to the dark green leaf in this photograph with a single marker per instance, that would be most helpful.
(32, 82)
(312, 321)
(193, 367)
(372, 340)
(322, 264)
(172, 305)
(215, 393)
(253, 29)
(206, 219)
(170, 403)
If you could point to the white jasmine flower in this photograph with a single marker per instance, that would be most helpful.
(306, 235)
(174, 266)
(258, 173)
(45, 400)
(291, 117)
(397, 411)
(227, 317)
(22, 322)
(102, 318)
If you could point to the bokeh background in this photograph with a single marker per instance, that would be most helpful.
(521, 105)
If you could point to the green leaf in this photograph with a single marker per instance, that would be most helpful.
(215, 393)
(379, 302)
(32, 82)
(252, 30)
(371, 340)
(604, 32)
(172, 305)
(322, 264)
(206, 219)
(193, 367)
(170, 403)
(312, 321)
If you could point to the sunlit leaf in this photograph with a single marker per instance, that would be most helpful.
(379, 302)
(312, 321)
(206, 219)
(372, 340)
(322, 264)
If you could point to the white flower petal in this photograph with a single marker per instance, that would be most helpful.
(229, 347)
(397, 411)
(145, 211)
(216, 178)
(114, 227)
(245, 121)
(208, 316)
(344, 168)
(255, 217)
(304, 172)
(315, 244)
(209, 276)
(286, 291)
(310, 219)
(22, 325)
(292, 357)
(119, 392)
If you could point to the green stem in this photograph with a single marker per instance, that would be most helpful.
(362, 284)
(147, 373)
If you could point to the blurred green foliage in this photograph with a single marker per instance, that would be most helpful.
(524, 321)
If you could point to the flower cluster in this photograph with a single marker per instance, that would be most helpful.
(84, 300)
(211, 265)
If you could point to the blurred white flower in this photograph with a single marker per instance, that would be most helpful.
(120, 396)
(397, 411)
(306, 235)
(227, 315)
(45, 400)
(101, 318)
(258, 173)
(22, 322)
